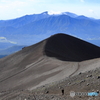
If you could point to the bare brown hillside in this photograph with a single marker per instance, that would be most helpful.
(50, 60)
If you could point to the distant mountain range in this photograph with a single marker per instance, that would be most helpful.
(31, 29)
(10, 50)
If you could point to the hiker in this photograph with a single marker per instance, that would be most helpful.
(62, 91)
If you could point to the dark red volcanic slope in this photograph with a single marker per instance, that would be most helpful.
(34, 66)
(69, 48)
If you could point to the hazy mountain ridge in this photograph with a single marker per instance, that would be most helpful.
(11, 50)
(62, 23)
(18, 22)
(1, 56)
(56, 23)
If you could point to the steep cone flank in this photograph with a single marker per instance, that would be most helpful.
(69, 48)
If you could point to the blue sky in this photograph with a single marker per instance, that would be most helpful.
(10, 9)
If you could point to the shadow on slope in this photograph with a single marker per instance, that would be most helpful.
(69, 48)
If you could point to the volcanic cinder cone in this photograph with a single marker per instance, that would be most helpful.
(50, 60)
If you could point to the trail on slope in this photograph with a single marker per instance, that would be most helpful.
(27, 67)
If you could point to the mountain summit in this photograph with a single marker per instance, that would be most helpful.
(69, 48)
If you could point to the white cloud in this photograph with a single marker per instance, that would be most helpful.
(5, 40)
(54, 12)
(82, 0)
(90, 10)
(11, 3)
(93, 38)
(2, 38)
(12, 42)
(10, 9)
(32, 0)
(15, 8)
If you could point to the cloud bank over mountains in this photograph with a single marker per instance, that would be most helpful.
(10, 9)
(5, 40)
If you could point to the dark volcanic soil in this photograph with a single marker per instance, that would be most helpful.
(68, 48)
